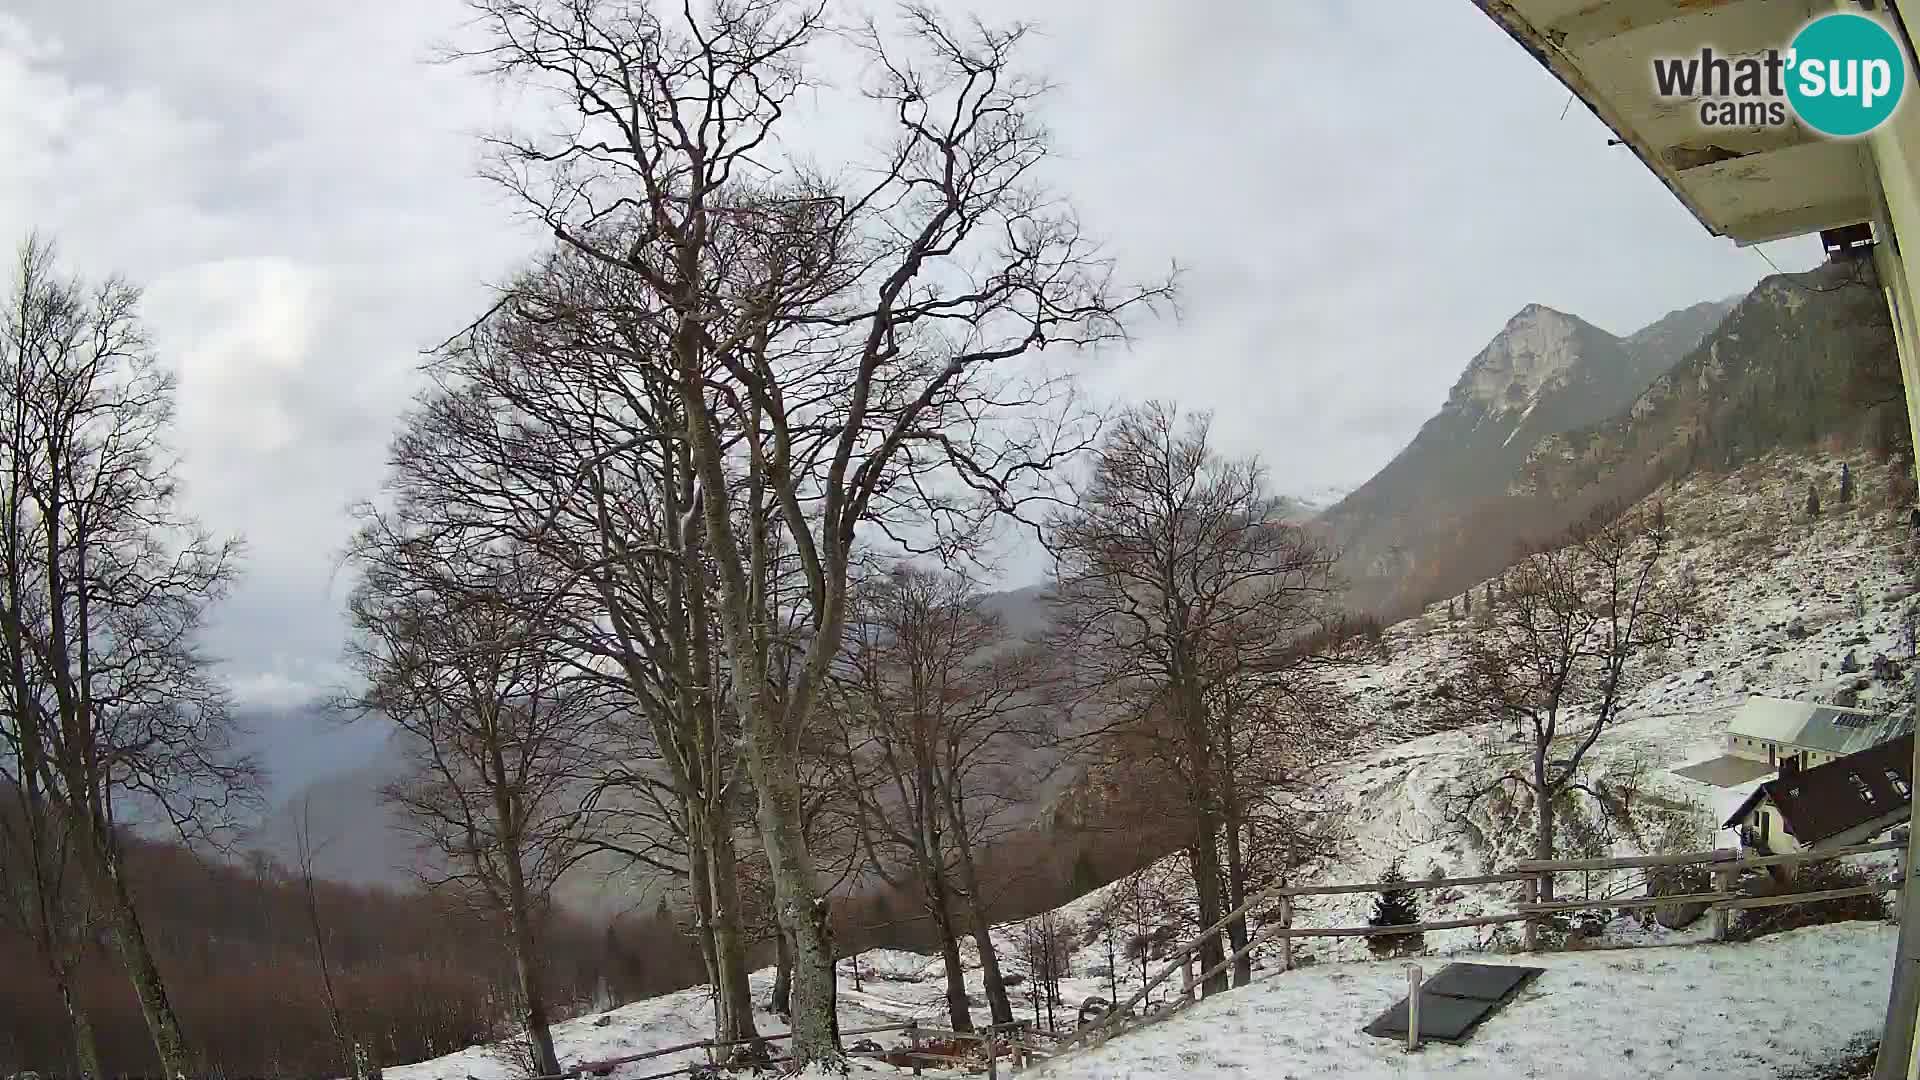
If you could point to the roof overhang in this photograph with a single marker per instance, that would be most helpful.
(1751, 184)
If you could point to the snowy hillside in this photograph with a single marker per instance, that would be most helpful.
(1787, 600)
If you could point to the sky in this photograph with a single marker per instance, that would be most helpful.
(1359, 196)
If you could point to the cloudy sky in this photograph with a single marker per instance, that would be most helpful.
(1361, 194)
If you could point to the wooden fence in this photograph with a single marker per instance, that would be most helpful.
(1726, 866)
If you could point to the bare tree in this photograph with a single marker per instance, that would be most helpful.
(945, 736)
(353, 1056)
(1191, 611)
(544, 426)
(500, 731)
(1046, 945)
(111, 707)
(41, 895)
(1562, 653)
(857, 326)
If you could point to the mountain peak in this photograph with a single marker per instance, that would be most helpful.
(1534, 351)
(1535, 312)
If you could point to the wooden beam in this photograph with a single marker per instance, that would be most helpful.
(1626, 862)
(1410, 928)
(1762, 228)
(1599, 22)
(1807, 897)
(1795, 858)
(1631, 902)
(1395, 886)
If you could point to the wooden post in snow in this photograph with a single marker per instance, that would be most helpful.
(1899, 884)
(1530, 930)
(1286, 940)
(1723, 877)
(1413, 1007)
(1186, 980)
(993, 1053)
(913, 1044)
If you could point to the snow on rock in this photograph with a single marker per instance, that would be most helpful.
(1732, 1011)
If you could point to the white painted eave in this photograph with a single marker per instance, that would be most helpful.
(1749, 184)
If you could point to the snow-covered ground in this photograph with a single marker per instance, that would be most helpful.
(1742, 1012)
(668, 1020)
(1786, 599)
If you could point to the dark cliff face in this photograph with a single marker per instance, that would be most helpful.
(1544, 373)
(1794, 361)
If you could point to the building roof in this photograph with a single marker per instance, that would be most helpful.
(1752, 184)
(1827, 800)
(1810, 725)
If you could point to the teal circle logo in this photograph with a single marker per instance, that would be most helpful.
(1845, 74)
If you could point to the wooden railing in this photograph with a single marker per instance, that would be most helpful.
(1726, 866)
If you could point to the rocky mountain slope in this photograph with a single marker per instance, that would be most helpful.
(1555, 418)
(1800, 357)
(1545, 372)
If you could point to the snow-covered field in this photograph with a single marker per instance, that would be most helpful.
(1742, 1012)
(1787, 600)
(668, 1020)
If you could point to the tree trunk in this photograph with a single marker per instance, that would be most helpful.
(527, 966)
(781, 1003)
(730, 948)
(527, 961)
(797, 899)
(1236, 896)
(1205, 856)
(959, 1012)
(700, 889)
(999, 1006)
(137, 956)
(1543, 809)
(86, 1053)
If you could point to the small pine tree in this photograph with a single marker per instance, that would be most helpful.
(1660, 515)
(1813, 500)
(1395, 907)
(1453, 611)
(1846, 483)
(1466, 602)
(1489, 594)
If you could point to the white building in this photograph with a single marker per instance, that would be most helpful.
(1806, 733)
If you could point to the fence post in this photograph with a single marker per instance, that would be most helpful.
(1413, 1007)
(1899, 883)
(993, 1054)
(1722, 882)
(913, 1044)
(1186, 979)
(1530, 930)
(1286, 940)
